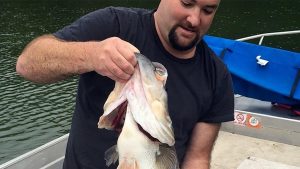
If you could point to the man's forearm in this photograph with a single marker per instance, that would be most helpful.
(47, 59)
(193, 161)
(198, 153)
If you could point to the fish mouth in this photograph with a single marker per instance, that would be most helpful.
(119, 119)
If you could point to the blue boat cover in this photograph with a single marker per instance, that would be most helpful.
(276, 81)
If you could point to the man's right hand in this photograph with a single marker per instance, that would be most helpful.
(112, 57)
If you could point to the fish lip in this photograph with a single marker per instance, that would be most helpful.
(146, 133)
(142, 58)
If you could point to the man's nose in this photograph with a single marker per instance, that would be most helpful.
(194, 17)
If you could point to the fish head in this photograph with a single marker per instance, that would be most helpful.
(146, 97)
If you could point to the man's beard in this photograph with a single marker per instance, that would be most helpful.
(174, 41)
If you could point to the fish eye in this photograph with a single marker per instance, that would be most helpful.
(159, 71)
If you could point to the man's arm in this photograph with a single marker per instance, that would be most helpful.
(198, 154)
(48, 59)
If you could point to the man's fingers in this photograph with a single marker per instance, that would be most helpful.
(116, 71)
(131, 47)
(128, 52)
(120, 60)
(131, 58)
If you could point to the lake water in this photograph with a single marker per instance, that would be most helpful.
(31, 114)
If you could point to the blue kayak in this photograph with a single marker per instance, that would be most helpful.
(260, 72)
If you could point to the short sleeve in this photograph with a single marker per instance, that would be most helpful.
(97, 25)
(222, 107)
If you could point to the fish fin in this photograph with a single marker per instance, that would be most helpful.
(128, 164)
(115, 98)
(111, 155)
(167, 158)
(110, 112)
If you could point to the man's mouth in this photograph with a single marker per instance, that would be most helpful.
(187, 32)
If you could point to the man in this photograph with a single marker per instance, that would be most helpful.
(100, 48)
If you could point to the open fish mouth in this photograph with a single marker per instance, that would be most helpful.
(118, 121)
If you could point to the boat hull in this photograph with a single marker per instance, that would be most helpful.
(276, 81)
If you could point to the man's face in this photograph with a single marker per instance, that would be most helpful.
(182, 23)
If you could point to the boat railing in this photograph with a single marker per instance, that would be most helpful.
(47, 156)
(262, 36)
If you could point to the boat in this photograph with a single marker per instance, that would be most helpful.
(48, 156)
(255, 116)
(260, 72)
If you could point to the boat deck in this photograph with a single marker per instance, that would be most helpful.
(261, 136)
(234, 151)
(260, 119)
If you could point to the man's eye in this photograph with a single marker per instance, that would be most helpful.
(208, 10)
(186, 4)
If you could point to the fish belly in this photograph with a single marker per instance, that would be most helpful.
(136, 151)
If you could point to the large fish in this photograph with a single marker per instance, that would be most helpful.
(138, 109)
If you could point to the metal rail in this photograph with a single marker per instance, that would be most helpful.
(261, 36)
(47, 156)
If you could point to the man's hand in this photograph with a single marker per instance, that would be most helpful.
(112, 57)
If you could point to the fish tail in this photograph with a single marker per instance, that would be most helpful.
(111, 155)
(128, 164)
(167, 159)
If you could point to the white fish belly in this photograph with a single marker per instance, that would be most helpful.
(136, 148)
